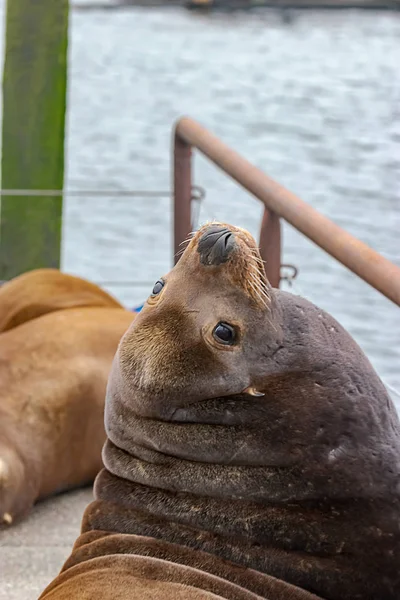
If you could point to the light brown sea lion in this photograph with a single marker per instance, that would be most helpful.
(59, 336)
(252, 450)
(43, 291)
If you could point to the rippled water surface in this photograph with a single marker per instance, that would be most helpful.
(315, 103)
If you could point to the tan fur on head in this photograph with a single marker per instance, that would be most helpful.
(147, 352)
(172, 348)
(245, 267)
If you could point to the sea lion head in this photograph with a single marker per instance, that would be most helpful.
(214, 334)
(199, 334)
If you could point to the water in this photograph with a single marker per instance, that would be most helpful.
(315, 103)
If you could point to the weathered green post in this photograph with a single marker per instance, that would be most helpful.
(34, 101)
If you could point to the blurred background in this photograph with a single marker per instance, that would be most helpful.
(310, 97)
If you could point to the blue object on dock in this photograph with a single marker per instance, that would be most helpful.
(137, 308)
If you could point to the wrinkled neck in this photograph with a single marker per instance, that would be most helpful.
(271, 449)
(270, 537)
(250, 481)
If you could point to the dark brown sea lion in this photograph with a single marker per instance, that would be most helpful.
(59, 336)
(252, 450)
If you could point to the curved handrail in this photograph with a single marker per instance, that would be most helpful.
(362, 260)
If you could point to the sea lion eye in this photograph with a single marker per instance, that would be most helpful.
(158, 286)
(224, 334)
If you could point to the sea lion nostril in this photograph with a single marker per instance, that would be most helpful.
(216, 245)
(210, 236)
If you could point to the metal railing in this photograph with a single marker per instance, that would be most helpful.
(279, 203)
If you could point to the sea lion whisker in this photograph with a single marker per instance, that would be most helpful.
(259, 260)
(259, 278)
(262, 300)
(253, 266)
(180, 252)
(191, 233)
(260, 271)
(264, 291)
(256, 253)
(256, 279)
(258, 268)
(260, 287)
(255, 273)
(186, 241)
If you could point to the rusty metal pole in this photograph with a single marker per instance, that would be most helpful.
(270, 246)
(182, 192)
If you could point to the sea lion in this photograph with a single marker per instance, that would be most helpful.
(252, 450)
(42, 291)
(59, 334)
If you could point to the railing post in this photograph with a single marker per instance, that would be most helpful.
(270, 246)
(182, 192)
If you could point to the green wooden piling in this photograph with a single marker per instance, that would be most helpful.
(34, 102)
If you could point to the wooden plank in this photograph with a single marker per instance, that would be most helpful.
(34, 101)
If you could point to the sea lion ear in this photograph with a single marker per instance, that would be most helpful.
(253, 392)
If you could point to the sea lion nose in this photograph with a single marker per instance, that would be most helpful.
(216, 245)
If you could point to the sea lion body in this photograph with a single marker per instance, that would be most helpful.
(59, 337)
(249, 438)
(43, 291)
